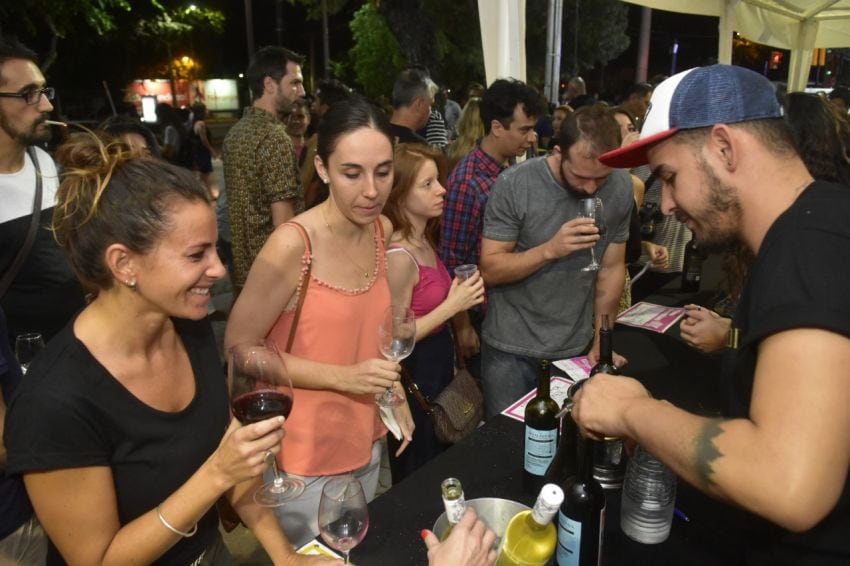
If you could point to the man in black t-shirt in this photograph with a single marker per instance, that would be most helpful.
(44, 293)
(715, 138)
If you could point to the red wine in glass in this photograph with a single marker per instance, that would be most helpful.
(260, 389)
(256, 406)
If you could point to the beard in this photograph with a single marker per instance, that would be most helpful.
(30, 136)
(717, 224)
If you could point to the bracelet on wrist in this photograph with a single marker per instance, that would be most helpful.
(168, 526)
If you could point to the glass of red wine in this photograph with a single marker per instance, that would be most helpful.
(260, 389)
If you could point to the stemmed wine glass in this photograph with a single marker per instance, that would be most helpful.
(396, 336)
(26, 347)
(592, 208)
(343, 515)
(261, 389)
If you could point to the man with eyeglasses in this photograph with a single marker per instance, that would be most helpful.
(43, 293)
(38, 291)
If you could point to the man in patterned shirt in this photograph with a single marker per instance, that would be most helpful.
(260, 171)
(509, 111)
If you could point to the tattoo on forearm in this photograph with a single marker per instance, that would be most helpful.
(706, 451)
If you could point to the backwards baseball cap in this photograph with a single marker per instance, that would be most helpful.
(697, 98)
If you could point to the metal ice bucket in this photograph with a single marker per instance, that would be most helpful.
(495, 512)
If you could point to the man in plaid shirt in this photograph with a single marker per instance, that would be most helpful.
(509, 111)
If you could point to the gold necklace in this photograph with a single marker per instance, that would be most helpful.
(351, 259)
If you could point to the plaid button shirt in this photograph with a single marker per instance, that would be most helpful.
(467, 191)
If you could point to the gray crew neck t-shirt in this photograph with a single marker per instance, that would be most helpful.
(549, 314)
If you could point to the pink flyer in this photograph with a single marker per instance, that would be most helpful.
(651, 317)
(557, 391)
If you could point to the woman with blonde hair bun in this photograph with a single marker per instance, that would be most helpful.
(470, 129)
(121, 429)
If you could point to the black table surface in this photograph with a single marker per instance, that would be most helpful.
(489, 464)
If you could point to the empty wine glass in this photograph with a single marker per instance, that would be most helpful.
(396, 338)
(26, 347)
(343, 515)
(260, 389)
(592, 208)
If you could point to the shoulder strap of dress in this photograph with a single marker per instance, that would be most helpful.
(302, 294)
(396, 248)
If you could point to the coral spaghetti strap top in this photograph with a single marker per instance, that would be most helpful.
(330, 432)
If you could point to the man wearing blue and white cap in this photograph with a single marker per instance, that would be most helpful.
(715, 138)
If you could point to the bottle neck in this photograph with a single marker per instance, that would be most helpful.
(606, 347)
(543, 381)
(585, 459)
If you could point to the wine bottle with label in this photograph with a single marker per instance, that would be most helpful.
(564, 463)
(541, 432)
(454, 502)
(531, 536)
(606, 349)
(692, 267)
(581, 520)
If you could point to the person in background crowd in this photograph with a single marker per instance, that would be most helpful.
(297, 123)
(335, 361)
(203, 151)
(175, 137)
(840, 98)
(260, 173)
(418, 278)
(636, 101)
(132, 132)
(470, 129)
(22, 539)
(535, 246)
(435, 130)
(328, 93)
(730, 169)
(412, 99)
(43, 293)
(450, 110)
(121, 429)
(509, 110)
(558, 116)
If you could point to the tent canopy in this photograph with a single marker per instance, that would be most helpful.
(797, 25)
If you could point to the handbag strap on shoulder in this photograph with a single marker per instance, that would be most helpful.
(414, 390)
(23, 252)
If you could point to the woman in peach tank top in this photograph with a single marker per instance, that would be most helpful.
(335, 363)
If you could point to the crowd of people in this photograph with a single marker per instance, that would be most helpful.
(119, 442)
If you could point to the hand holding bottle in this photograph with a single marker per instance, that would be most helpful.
(469, 544)
(601, 404)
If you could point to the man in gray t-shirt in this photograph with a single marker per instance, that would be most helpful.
(541, 303)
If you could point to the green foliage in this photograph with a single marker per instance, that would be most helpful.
(61, 16)
(375, 57)
(458, 42)
(169, 26)
(314, 7)
(602, 34)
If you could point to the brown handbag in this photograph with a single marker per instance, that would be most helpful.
(226, 513)
(458, 408)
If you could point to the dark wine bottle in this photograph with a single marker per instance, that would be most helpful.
(564, 463)
(541, 432)
(606, 349)
(581, 520)
(692, 267)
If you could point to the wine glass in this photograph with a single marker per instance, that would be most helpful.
(396, 338)
(343, 515)
(261, 389)
(26, 347)
(592, 208)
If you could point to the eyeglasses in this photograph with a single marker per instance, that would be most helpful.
(31, 97)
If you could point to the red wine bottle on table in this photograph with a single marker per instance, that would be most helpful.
(541, 432)
(606, 349)
(581, 520)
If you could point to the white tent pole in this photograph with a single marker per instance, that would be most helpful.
(643, 45)
(801, 56)
(725, 29)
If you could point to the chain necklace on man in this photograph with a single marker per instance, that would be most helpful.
(351, 259)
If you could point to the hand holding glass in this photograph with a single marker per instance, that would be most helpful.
(261, 389)
(26, 347)
(343, 514)
(592, 208)
(396, 336)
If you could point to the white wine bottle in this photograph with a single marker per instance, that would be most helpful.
(531, 536)
(454, 502)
